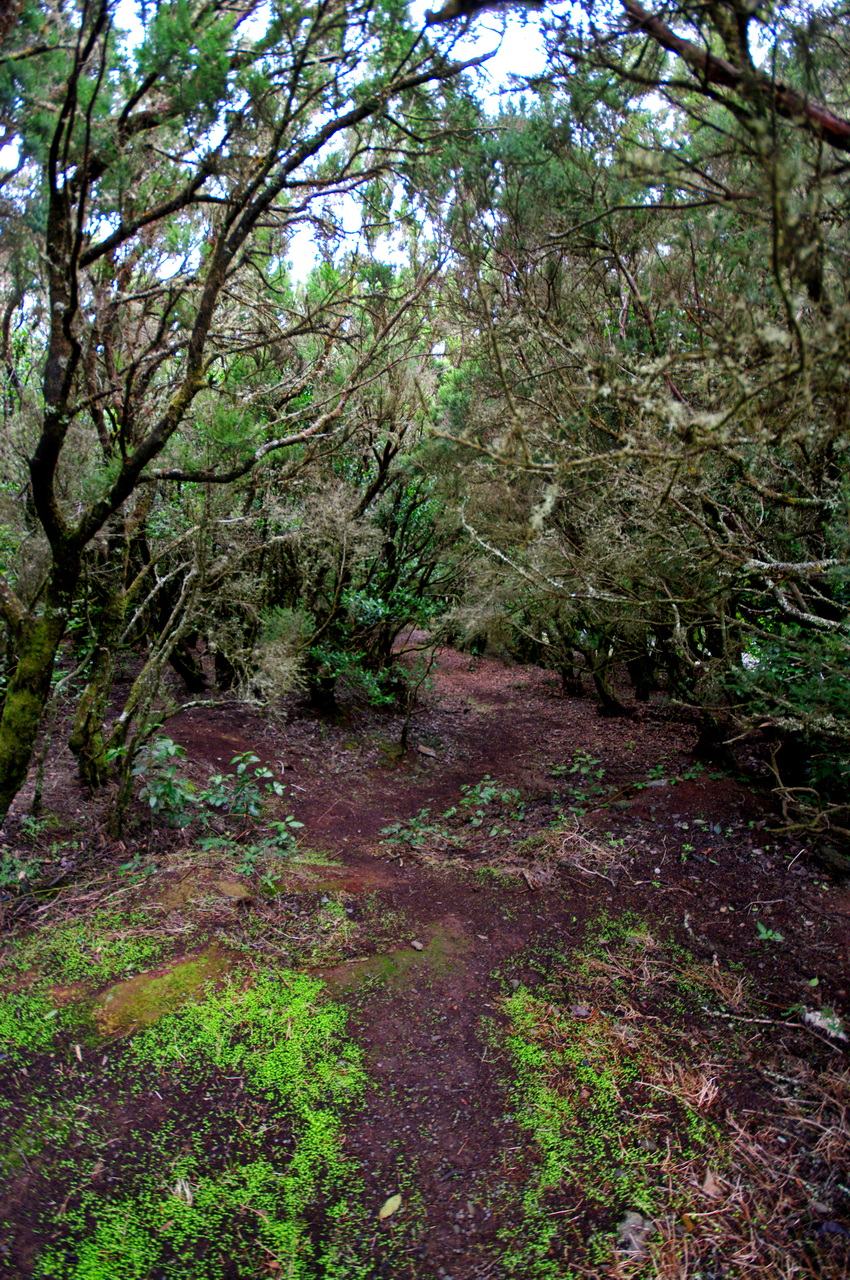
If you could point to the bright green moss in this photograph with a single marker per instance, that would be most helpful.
(28, 1022)
(90, 951)
(287, 1041)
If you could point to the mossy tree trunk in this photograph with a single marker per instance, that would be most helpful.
(87, 740)
(37, 638)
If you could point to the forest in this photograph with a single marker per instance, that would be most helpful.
(576, 386)
(344, 398)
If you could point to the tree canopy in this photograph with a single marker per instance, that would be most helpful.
(595, 403)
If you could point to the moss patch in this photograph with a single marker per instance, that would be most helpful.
(144, 999)
(240, 1164)
(404, 965)
(88, 951)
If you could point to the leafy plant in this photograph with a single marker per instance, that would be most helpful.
(14, 869)
(242, 792)
(417, 831)
(487, 791)
(479, 797)
(167, 794)
(286, 840)
(768, 935)
(585, 773)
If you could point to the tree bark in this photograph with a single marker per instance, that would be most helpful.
(609, 703)
(87, 740)
(38, 640)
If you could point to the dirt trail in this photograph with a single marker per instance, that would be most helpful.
(522, 820)
(697, 856)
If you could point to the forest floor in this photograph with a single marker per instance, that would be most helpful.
(542, 996)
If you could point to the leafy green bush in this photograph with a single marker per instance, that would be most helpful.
(241, 791)
(167, 794)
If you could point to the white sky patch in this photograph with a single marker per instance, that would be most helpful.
(128, 21)
(257, 25)
(518, 45)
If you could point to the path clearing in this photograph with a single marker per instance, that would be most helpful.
(576, 969)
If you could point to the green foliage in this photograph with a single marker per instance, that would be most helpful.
(796, 679)
(639, 494)
(457, 394)
(242, 792)
(130, 1237)
(582, 781)
(193, 56)
(594, 1085)
(766, 934)
(230, 388)
(584, 767)
(480, 794)
(477, 799)
(291, 627)
(285, 829)
(418, 831)
(333, 663)
(15, 868)
(486, 809)
(167, 794)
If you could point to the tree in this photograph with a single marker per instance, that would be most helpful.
(631, 42)
(147, 222)
(650, 318)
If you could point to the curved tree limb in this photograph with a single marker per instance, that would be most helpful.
(708, 68)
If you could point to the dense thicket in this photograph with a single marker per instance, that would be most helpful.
(632, 452)
(650, 340)
(168, 394)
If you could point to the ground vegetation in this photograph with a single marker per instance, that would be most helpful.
(541, 998)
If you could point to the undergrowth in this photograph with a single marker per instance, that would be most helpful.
(621, 1071)
(189, 1203)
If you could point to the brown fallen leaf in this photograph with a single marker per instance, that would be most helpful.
(711, 1187)
(389, 1206)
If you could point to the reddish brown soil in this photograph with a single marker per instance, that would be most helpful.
(704, 845)
(699, 862)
